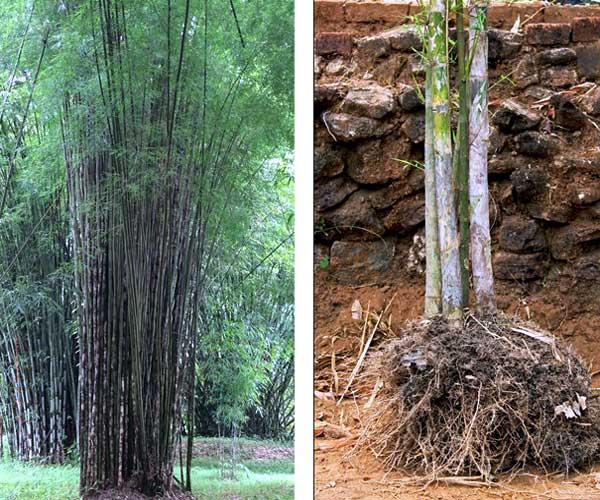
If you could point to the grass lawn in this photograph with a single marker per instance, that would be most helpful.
(256, 479)
(38, 482)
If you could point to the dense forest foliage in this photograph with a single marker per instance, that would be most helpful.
(146, 229)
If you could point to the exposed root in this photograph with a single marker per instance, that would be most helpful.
(489, 398)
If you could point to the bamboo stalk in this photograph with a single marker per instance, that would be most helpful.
(433, 281)
(481, 259)
(442, 158)
(461, 152)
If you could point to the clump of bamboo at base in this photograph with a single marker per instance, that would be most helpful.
(475, 393)
(490, 397)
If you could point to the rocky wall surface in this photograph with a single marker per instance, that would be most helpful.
(544, 163)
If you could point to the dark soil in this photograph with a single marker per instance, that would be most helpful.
(128, 494)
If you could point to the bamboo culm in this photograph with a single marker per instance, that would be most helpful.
(481, 258)
(433, 283)
(462, 152)
(444, 175)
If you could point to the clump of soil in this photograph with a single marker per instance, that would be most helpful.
(492, 397)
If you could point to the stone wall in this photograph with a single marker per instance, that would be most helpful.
(544, 163)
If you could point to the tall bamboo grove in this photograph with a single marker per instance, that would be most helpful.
(38, 381)
(142, 198)
(38, 373)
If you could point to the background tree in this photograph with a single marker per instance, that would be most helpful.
(38, 408)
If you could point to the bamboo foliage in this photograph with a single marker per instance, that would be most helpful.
(478, 151)
(38, 410)
(239, 386)
(156, 144)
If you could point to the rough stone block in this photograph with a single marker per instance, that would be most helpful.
(586, 29)
(564, 241)
(528, 182)
(348, 128)
(374, 46)
(521, 235)
(374, 162)
(558, 77)
(414, 128)
(359, 263)
(326, 94)
(385, 197)
(591, 102)
(587, 267)
(329, 10)
(369, 12)
(555, 212)
(355, 218)
(510, 266)
(588, 61)
(372, 100)
(526, 72)
(566, 13)
(405, 215)
(333, 43)
(332, 192)
(328, 162)
(558, 56)
(512, 116)
(503, 16)
(548, 33)
(536, 144)
(411, 99)
(403, 38)
(503, 44)
(568, 115)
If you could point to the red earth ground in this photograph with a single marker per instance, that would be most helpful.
(344, 472)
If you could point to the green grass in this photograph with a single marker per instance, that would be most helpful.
(38, 482)
(250, 484)
(266, 479)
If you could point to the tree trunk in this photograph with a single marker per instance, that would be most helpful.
(444, 178)
(481, 257)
